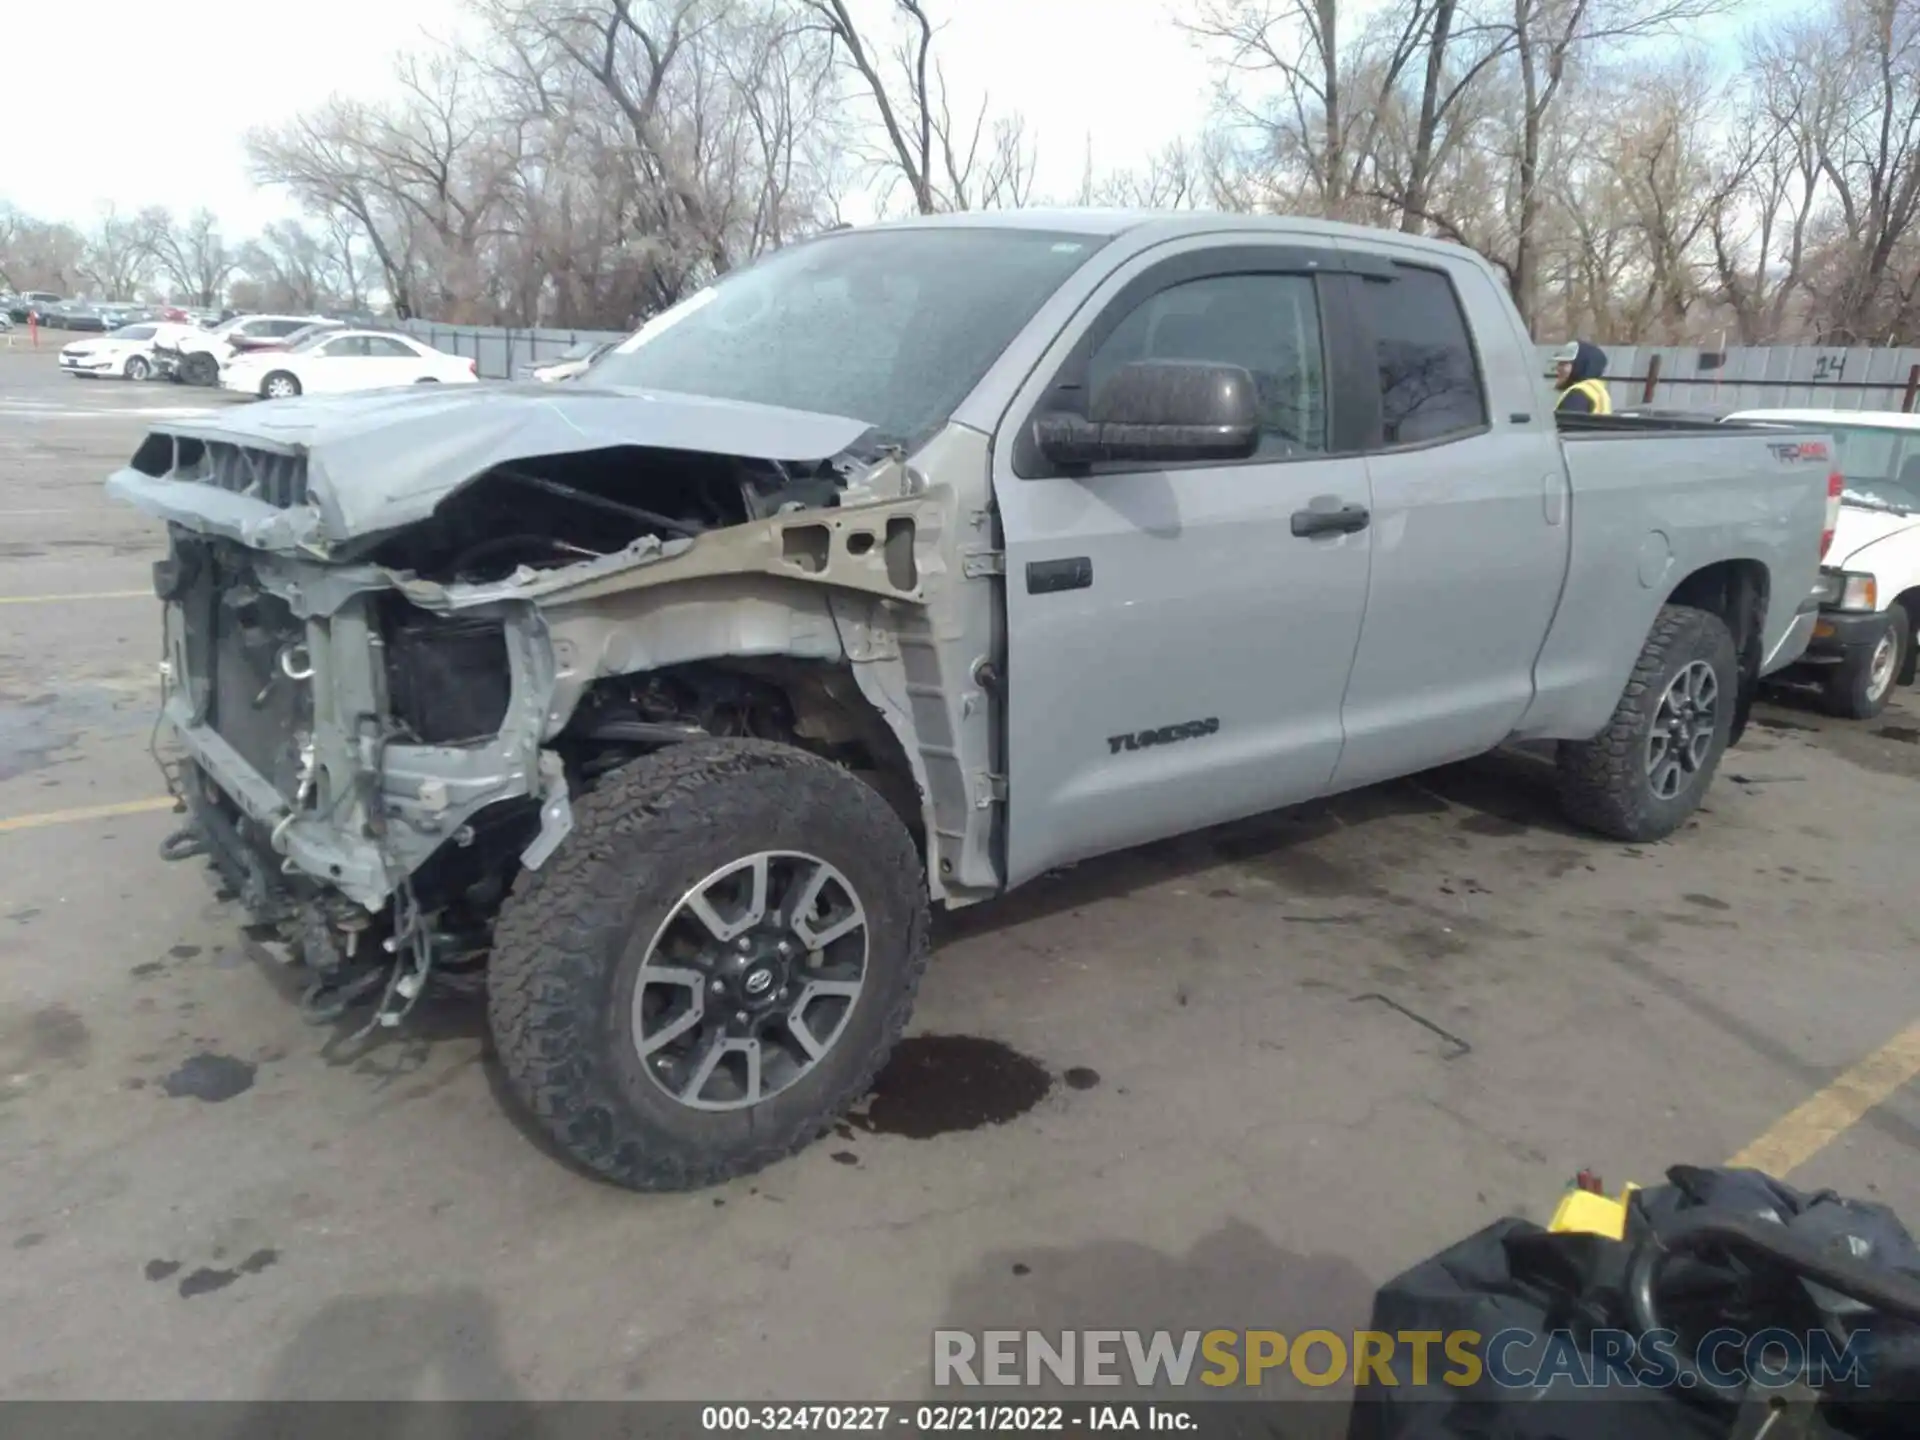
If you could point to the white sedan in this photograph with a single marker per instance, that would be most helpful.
(337, 361)
(126, 352)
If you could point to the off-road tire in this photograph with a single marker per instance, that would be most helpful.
(1848, 690)
(572, 933)
(1603, 782)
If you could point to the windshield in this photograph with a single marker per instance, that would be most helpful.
(892, 327)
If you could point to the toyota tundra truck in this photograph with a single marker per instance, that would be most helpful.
(891, 572)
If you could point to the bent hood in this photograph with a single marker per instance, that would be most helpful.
(377, 460)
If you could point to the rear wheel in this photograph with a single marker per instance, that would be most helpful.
(1642, 776)
(712, 967)
(1859, 688)
(279, 386)
(137, 367)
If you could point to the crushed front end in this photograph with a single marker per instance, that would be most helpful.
(372, 726)
(364, 772)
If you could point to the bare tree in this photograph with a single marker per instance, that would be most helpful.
(945, 164)
(701, 121)
(117, 258)
(1352, 119)
(1862, 61)
(324, 160)
(292, 267)
(1175, 177)
(192, 255)
(1552, 39)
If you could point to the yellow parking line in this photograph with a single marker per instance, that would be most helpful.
(85, 812)
(86, 595)
(1798, 1136)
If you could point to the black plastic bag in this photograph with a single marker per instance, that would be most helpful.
(1579, 1383)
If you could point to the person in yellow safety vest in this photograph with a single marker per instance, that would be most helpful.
(1577, 370)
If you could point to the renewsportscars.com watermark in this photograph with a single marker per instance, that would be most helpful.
(1512, 1359)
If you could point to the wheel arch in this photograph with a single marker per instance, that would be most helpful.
(842, 688)
(1909, 601)
(1738, 591)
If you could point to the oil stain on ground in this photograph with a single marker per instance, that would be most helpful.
(208, 1077)
(206, 1280)
(939, 1084)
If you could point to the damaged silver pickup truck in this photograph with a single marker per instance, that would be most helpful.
(902, 567)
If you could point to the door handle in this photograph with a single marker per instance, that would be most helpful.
(1347, 520)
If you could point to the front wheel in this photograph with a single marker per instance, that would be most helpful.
(137, 368)
(200, 368)
(1859, 688)
(1641, 777)
(279, 386)
(712, 967)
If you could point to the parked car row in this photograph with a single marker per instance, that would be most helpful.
(271, 356)
(51, 312)
(195, 356)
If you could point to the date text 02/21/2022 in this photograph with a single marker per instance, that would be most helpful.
(943, 1419)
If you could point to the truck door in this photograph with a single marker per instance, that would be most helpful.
(1176, 651)
(1470, 522)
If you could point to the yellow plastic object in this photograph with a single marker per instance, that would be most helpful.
(1581, 1212)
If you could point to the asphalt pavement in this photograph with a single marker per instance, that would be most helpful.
(1235, 1080)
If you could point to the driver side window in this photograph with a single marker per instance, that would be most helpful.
(1267, 324)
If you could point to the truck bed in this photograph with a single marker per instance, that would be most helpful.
(1663, 498)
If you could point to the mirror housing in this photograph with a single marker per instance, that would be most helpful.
(1160, 412)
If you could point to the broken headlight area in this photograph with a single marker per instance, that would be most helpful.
(346, 771)
(448, 677)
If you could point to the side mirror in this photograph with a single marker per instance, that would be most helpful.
(1160, 412)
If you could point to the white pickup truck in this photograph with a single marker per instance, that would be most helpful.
(1869, 589)
(895, 570)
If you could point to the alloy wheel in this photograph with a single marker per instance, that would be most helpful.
(750, 981)
(1683, 729)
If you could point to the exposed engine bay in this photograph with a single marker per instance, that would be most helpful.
(561, 509)
(382, 730)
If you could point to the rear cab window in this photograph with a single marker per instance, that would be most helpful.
(1431, 389)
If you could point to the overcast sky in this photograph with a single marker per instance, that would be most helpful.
(182, 80)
